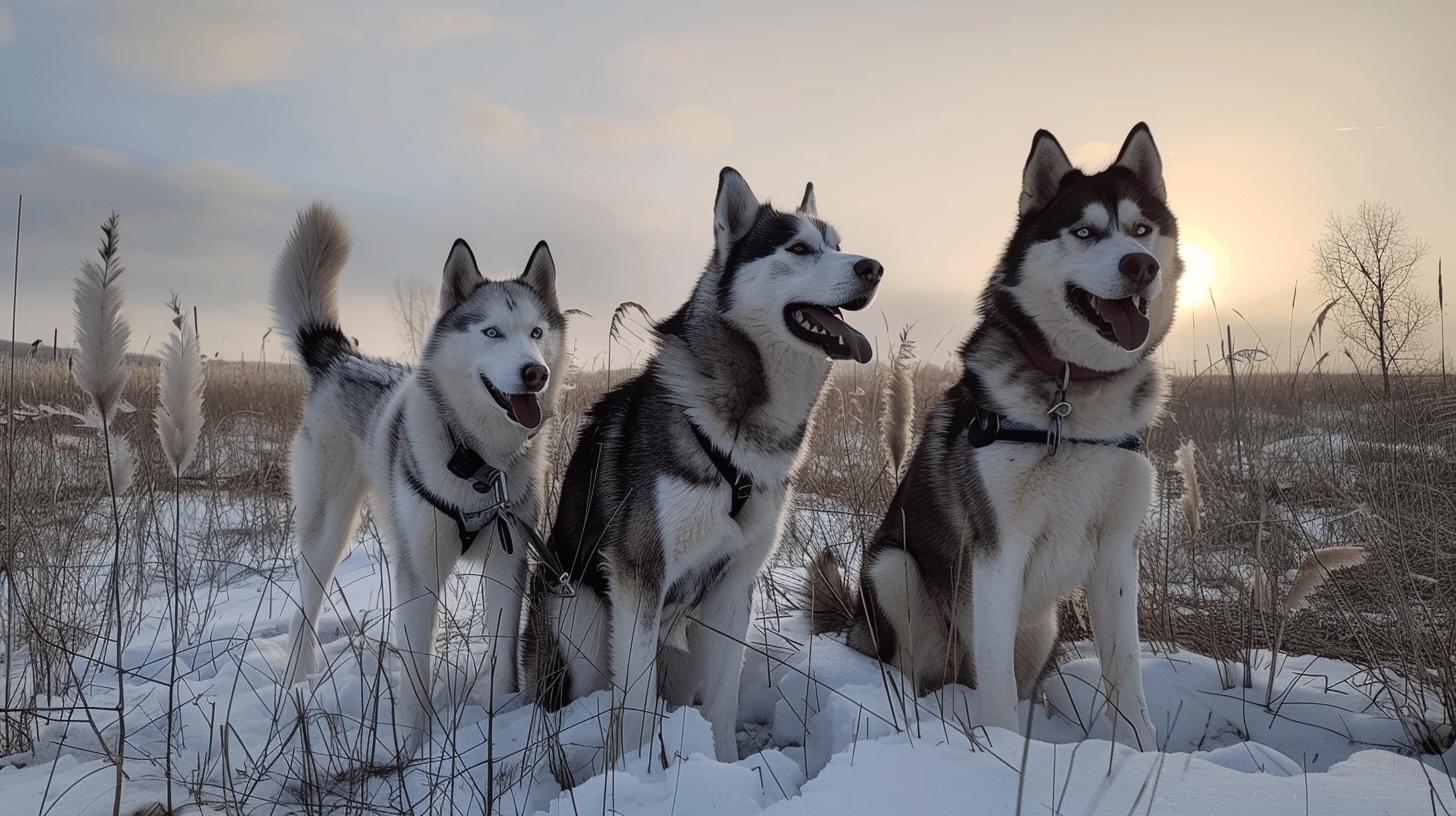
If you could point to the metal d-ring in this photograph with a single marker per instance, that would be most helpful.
(1059, 411)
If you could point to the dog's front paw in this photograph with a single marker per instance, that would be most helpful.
(1140, 735)
(999, 718)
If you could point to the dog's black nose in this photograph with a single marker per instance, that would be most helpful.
(1139, 267)
(869, 269)
(534, 375)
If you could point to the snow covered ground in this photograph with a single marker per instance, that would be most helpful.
(821, 731)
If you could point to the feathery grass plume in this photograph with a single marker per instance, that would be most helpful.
(179, 393)
(1183, 462)
(897, 418)
(179, 424)
(1317, 330)
(619, 326)
(1317, 569)
(101, 333)
(99, 368)
(1313, 573)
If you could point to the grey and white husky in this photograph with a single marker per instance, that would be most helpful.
(449, 447)
(1028, 481)
(676, 492)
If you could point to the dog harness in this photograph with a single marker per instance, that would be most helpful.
(467, 464)
(740, 484)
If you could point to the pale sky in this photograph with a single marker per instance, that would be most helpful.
(601, 129)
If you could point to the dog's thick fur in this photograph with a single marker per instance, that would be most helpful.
(370, 423)
(963, 579)
(644, 526)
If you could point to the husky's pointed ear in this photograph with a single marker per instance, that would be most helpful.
(733, 211)
(1045, 167)
(807, 206)
(461, 276)
(1140, 155)
(540, 275)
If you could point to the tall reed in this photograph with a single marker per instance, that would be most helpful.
(179, 426)
(100, 371)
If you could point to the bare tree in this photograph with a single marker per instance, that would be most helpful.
(413, 305)
(1368, 260)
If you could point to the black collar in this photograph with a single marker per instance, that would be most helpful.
(985, 427)
(739, 483)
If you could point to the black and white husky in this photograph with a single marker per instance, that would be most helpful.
(675, 495)
(1028, 481)
(449, 446)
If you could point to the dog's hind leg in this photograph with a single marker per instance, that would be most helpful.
(327, 491)
(564, 655)
(923, 652)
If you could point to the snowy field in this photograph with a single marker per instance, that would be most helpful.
(822, 730)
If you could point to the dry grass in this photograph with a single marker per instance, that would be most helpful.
(1288, 466)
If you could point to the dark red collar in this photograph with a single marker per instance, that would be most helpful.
(1054, 368)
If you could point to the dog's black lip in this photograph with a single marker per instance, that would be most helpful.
(498, 395)
(838, 346)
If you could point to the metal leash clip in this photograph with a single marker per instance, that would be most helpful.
(1060, 410)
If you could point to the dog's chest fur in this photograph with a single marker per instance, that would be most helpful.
(1057, 505)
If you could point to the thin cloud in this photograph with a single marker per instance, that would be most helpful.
(689, 129)
(1348, 128)
(483, 123)
(191, 48)
(205, 229)
(421, 27)
(7, 29)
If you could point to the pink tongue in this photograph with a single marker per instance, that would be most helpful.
(526, 409)
(1128, 324)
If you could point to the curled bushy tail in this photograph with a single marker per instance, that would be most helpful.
(834, 606)
(305, 281)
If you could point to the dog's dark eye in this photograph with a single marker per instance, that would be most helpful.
(1083, 232)
(492, 332)
(1141, 230)
(799, 248)
(536, 333)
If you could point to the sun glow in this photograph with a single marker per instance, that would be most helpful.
(1199, 271)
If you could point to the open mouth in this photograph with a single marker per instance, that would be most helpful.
(823, 326)
(1124, 321)
(523, 409)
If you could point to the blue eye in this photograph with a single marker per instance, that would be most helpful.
(1083, 232)
(493, 333)
(1142, 229)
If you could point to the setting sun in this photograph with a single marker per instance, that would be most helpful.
(1198, 273)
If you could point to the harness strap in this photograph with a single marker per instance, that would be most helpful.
(469, 465)
(463, 526)
(985, 427)
(740, 484)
